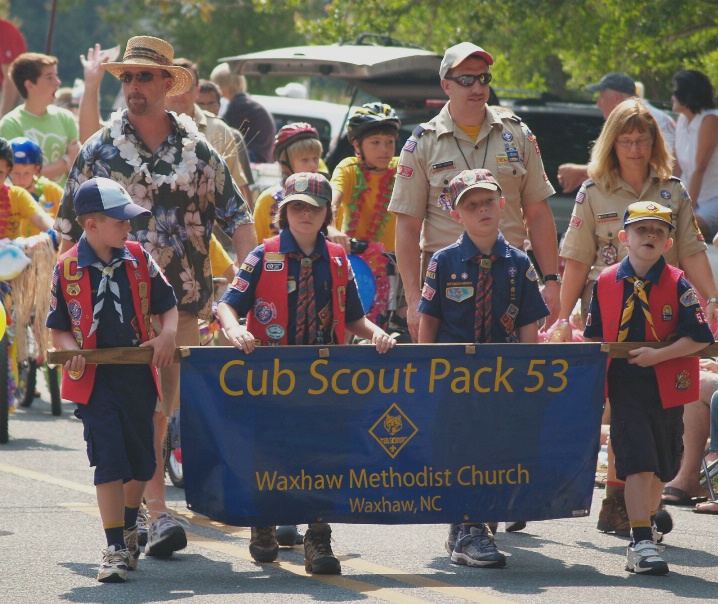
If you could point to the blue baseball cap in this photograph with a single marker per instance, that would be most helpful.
(106, 196)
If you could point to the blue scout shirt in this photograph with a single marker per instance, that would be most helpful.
(240, 295)
(110, 332)
(688, 322)
(450, 287)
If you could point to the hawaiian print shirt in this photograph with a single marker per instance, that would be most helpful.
(185, 184)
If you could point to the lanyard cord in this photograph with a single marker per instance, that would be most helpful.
(486, 152)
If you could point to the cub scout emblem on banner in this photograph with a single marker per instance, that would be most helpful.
(393, 430)
(459, 294)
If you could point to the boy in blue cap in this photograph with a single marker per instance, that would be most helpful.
(104, 291)
(644, 299)
(479, 289)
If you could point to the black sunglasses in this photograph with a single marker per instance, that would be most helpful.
(469, 80)
(142, 76)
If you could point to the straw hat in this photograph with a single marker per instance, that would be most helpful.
(146, 51)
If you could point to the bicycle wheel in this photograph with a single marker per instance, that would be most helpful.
(28, 381)
(173, 463)
(4, 390)
(53, 385)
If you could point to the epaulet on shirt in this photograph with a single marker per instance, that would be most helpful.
(587, 183)
(674, 178)
(504, 113)
(419, 131)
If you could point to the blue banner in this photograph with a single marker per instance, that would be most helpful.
(422, 434)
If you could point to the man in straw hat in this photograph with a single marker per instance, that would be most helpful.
(168, 167)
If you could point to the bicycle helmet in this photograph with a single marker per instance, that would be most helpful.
(26, 151)
(6, 154)
(370, 116)
(290, 134)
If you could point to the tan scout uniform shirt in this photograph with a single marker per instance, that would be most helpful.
(592, 234)
(220, 137)
(431, 159)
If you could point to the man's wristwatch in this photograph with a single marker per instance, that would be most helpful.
(554, 277)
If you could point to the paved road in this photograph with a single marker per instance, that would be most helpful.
(51, 537)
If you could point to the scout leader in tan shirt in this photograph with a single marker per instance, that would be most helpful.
(467, 134)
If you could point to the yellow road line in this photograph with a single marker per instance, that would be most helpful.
(382, 593)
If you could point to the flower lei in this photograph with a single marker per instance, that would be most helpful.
(360, 198)
(4, 210)
(374, 254)
(180, 174)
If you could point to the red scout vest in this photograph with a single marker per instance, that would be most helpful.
(272, 291)
(678, 381)
(75, 285)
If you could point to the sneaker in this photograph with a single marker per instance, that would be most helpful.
(477, 548)
(263, 546)
(289, 535)
(133, 549)
(450, 543)
(166, 535)
(113, 568)
(643, 557)
(512, 527)
(143, 525)
(613, 517)
(318, 555)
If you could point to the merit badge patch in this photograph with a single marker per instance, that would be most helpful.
(683, 380)
(274, 331)
(689, 298)
(667, 313)
(264, 311)
(459, 294)
(428, 292)
(404, 171)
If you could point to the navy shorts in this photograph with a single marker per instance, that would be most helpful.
(118, 422)
(645, 436)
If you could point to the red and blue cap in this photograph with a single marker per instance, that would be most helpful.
(108, 197)
(471, 179)
(310, 187)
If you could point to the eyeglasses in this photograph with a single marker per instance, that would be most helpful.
(142, 76)
(209, 104)
(641, 142)
(469, 80)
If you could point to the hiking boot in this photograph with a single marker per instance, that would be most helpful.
(450, 543)
(643, 557)
(613, 517)
(319, 558)
(289, 535)
(477, 548)
(133, 549)
(143, 525)
(166, 535)
(263, 546)
(512, 527)
(113, 568)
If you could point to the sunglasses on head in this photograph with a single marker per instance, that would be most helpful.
(470, 80)
(143, 76)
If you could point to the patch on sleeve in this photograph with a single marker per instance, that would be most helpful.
(531, 273)
(701, 318)
(410, 146)
(404, 171)
(428, 293)
(581, 195)
(575, 222)
(239, 284)
(252, 260)
(689, 298)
